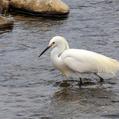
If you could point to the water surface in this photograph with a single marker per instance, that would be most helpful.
(27, 83)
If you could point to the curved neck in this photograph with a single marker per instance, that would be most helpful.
(57, 51)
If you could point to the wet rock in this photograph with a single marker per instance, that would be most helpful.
(40, 7)
(4, 6)
(6, 22)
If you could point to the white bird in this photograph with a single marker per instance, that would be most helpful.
(69, 60)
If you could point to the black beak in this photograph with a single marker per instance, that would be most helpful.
(44, 50)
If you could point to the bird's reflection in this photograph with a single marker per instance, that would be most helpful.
(74, 101)
(98, 95)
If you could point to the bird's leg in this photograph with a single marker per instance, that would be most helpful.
(101, 79)
(80, 83)
(65, 81)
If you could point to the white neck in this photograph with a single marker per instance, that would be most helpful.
(56, 52)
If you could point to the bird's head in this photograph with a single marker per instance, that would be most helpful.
(57, 41)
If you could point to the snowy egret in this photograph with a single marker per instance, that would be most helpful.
(69, 60)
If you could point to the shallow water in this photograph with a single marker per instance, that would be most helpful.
(27, 83)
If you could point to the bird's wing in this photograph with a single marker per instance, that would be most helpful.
(87, 61)
(78, 66)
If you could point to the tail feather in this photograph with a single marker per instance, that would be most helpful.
(108, 65)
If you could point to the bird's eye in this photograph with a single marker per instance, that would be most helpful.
(53, 43)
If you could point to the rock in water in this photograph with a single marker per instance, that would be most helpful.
(6, 22)
(4, 6)
(40, 7)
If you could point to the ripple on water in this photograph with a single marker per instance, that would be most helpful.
(27, 83)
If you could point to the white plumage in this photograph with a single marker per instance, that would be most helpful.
(79, 60)
(86, 61)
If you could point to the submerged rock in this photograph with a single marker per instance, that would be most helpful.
(6, 22)
(40, 7)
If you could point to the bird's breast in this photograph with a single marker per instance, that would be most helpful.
(58, 63)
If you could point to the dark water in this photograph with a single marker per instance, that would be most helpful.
(27, 83)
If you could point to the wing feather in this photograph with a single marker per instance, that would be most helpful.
(87, 61)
